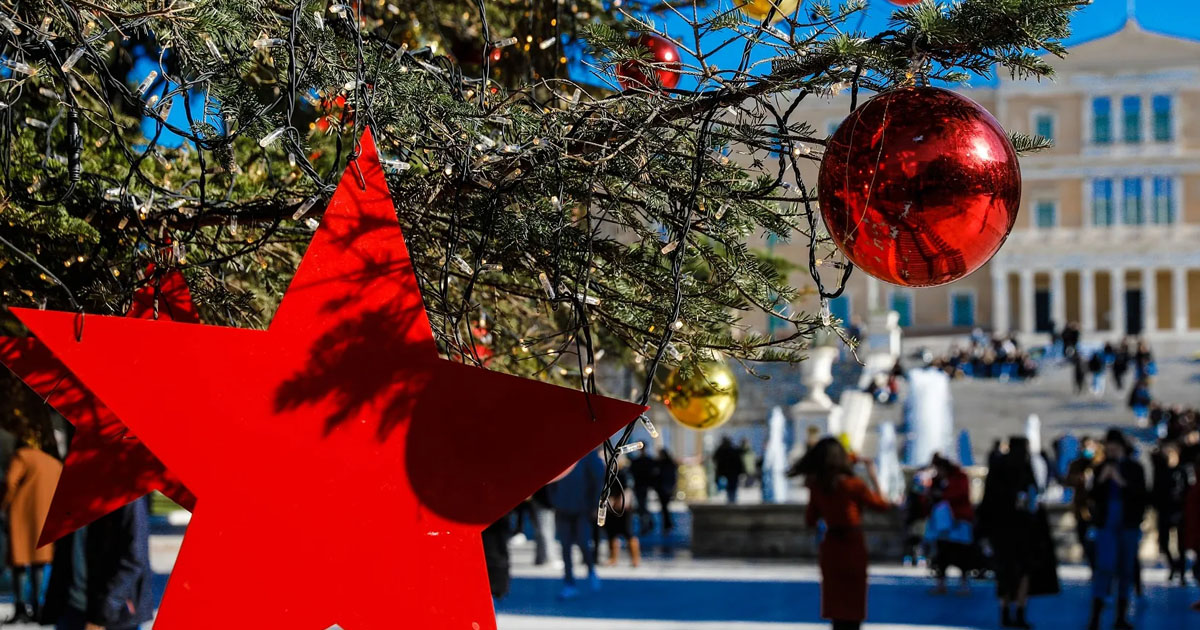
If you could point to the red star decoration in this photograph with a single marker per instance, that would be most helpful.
(106, 467)
(335, 450)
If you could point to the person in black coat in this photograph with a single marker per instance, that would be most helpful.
(1119, 494)
(101, 576)
(666, 482)
(1015, 524)
(730, 467)
(1171, 484)
(643, 469)
(495, 555)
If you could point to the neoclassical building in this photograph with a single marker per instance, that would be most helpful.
(1109, 230)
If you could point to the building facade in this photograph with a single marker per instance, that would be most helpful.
(1109, 228)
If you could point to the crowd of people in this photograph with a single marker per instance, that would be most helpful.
(1008, 534)
(566, 510)
(1127, 361)
(987, 356)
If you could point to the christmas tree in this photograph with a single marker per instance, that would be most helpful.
(566, 190)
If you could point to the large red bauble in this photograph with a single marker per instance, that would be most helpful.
(919, 186)
(664, 55)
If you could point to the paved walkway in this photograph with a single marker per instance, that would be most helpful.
(686, 594)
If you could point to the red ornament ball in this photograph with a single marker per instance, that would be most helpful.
(664, 55)
(905, 3)
(919, 186)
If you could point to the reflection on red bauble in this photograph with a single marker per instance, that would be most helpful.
(664, 55)
(919, 186)
(905, 3)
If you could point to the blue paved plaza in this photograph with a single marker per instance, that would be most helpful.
(699, 592)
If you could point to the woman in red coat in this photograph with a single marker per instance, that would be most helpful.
(837, 498)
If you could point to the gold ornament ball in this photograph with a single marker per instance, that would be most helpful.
(705, 399)
(758, 9)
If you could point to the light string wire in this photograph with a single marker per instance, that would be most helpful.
(472, 165)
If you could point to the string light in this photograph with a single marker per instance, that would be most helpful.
(73, 59)
(631, 447)
(146, 83)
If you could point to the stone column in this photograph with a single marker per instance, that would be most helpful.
(1087, 300)
(1058, 297)
(1117, 299)
(1149, 300)
(1000, 305)
(1179, 298)
(1027, 297)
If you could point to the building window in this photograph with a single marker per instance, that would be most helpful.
(1102, 120)
(1164, 200)
(1043, 125)
(962, 308)
(1102, 202)
(1046, 214)
(1131, 119)
(1164, 126)
(902, 303)
(1132, 212)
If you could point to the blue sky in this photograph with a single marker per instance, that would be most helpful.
(1173, 17)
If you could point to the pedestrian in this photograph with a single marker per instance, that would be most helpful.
(574, 499)
(730, 466)
(952, 523)
(666, 482)
(837, 499)
(1079, 479)
(1096, 366)
(1192, 520)
(32, 476)
(495, 554)
(750, 467)
(619, 523)
(643, 469)
(543, 526)
(102, 578)
(1120, 364)
(1168, 497)
(1139, 402)
(1016, 526)
(1080, 372)
(1119, 494)
(1070, 339)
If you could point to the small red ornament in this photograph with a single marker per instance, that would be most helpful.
(495, 54)
(919, 186)
(334, 108)
(339, 420)
(106, 466)
(664, 62)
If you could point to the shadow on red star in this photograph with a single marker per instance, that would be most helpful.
(344, 470)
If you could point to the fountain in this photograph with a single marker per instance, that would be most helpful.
(775, 460)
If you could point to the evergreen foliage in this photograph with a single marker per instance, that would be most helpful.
(568, 218)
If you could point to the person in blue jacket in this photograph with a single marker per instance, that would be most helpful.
(575, 498)
(101, 577)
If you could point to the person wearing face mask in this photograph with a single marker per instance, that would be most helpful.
(1119, 494)
(1079, 478)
